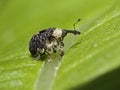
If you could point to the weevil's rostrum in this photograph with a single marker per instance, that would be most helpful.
(47, 41)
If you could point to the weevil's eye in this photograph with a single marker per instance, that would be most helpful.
(64, 33)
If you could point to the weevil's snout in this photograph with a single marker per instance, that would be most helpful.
(76, 32)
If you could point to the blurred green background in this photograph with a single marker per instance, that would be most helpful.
(20, 19)
(23, 18)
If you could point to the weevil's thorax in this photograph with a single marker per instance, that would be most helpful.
(57, 33)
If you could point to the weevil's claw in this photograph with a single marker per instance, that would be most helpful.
(62, 54)
(38, 58)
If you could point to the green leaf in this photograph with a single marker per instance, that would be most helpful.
(91, 60)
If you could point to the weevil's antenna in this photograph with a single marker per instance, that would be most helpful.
(76, 23)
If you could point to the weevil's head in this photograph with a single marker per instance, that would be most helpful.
(59, 33)
(64, 33)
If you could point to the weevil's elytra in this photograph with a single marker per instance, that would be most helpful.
(46, 41)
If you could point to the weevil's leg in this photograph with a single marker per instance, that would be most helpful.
(47, 53)
(54, 50)
(61, 51)
(39, 53)
(49, 56)
(51, 49)
(38, 57)
(54, 47)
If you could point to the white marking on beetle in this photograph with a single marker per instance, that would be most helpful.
(57, 33)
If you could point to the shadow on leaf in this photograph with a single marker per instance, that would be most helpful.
(109, 81)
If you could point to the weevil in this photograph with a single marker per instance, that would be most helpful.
(48, 40)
